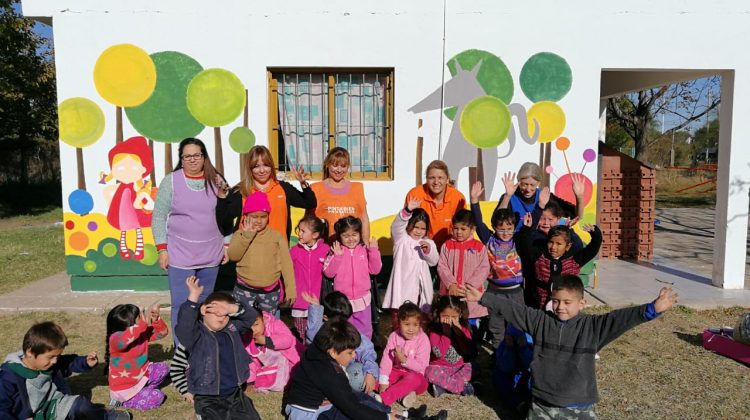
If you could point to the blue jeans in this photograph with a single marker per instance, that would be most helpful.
(178, 290)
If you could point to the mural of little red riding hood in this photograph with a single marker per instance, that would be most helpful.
(130, 201)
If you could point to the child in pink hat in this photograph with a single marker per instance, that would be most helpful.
(265, 275)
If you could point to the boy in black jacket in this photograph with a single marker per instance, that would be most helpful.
(319, 388)
(565, 342)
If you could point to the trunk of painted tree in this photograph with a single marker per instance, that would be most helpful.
(79, 164)
(219, 163)
(168, 159)
(118, 125)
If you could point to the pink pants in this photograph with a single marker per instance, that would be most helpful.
(362, 321)
(450, 378)
(402, 382)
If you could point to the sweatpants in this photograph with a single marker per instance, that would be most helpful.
(234, 406)
(178, 290)
(402, 382)
(362, 321)
(497, 322)
(451, 378)
(150, 396)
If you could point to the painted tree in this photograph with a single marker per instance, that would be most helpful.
(125, 76)
(216, 97)
(635, 112)
(164, 116)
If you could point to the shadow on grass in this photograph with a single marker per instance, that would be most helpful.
(694, 339)
(33, 199)
(83, 383)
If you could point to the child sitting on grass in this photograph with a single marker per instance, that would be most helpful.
(563, 369)
(32, 384)
(211, 333)
(319, 387)
(274, 351)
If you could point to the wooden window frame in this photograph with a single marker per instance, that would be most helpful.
(273, 117)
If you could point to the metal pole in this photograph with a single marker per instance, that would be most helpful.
(671, 155)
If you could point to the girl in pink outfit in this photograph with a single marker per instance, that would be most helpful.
(351, 264)
(405, 358)
(274, 352)
(413, 255)
(452, 348)
(307, 258)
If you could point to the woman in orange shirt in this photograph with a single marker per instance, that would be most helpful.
(439, 199)
(338, 197)
(261, 176)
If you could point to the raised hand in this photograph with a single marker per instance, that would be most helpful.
(310, 298)
(589, 228)
(578, 184)
(300, 174)
(222, 188)
(425, 246)
(220, 308)
(665, 300)
(92, 359)
(336, 248)
(476, 191)
(413, 204)
(194, 288)
(528, 220)
(246, 225)
(153, 312)
(509, 182)
(373, 242)
(544, 197)
(572, 222)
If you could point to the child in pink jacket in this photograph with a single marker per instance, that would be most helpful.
(273, 351)
(308, 257)
(463, 260)
(350, 265)
(405, 358)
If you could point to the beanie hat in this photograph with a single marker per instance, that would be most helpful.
(257, 201)
(530, 170)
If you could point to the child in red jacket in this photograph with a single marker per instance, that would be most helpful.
(133, 380)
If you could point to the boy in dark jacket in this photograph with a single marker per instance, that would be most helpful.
(218, 361)
(32, 384)
(565, 342)
(320, 389)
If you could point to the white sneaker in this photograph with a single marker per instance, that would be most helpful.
(410, 400)
(596, 356)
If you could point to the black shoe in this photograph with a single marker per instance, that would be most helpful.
(441, 415)
(418, 412)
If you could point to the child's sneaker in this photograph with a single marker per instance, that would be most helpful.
(410, 400)
(417, 413)
(436, 390)
(118, 415)
(468, 389)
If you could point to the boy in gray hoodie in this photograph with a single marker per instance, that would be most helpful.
(565, 342)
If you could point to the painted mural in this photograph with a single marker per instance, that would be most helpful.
(166, 97)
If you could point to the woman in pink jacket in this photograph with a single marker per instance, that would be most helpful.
(350, 265)
(274, 351)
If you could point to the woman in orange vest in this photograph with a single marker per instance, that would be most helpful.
(439, 199)
(337, 196)
(261, 176)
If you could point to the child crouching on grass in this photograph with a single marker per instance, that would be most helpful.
(274, 352)
(32, 383)
(564, 374)
(211, 333)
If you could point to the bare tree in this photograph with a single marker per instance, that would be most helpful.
(635, 112)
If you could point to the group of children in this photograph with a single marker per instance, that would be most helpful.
(232, 342)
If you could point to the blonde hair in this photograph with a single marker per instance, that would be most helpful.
(336, 155)
(440, 165)
(257, 152)
(118, 157)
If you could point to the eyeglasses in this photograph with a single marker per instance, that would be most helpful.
(505, 231)
(196, 156)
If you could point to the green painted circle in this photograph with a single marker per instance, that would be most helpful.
(165, 116)
(545, 77)
(150, 255)
(109, 250)
(81, 122)
(89, 266)
(493, 75)
(241, 139)
(485, 122)
(216, 97)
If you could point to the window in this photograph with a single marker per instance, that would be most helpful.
(313, 111)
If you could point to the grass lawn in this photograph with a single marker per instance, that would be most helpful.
(31, 248)
(658, 370)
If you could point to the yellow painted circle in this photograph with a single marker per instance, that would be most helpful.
(551, 119)
(81, 122)
(125, 75)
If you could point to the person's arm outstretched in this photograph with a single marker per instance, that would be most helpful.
(589, 251)
(614, 324)
(521, 316)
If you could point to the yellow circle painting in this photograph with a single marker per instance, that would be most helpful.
(485, 122)
(125, 75)
(81, 122)
(551, 119)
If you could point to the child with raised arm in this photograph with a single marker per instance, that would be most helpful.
(262, 257)
(211, 331)
(556, 259)
(413, 255)
(463, 260)
(32, 384)
(563, 369)
(350, 265)
(134, 380)
(506, 274)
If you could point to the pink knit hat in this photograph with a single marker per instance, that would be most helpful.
(257, 201)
